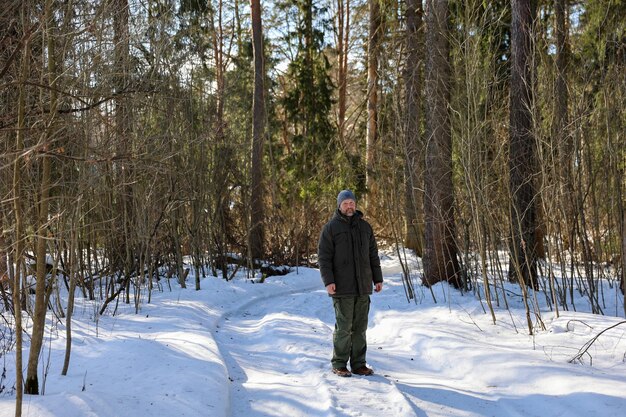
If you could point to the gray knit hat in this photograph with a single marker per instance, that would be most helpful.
(345, 195)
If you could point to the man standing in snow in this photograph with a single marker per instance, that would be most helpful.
(350, 269)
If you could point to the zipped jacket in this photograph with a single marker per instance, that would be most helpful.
(348, 255)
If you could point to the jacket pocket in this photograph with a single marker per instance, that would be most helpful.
(364, 250)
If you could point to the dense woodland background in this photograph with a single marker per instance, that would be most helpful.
(138, 132)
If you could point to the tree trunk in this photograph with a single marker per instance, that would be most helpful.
(238, 32)
(220, 69)
(622, 284)
(258, 135)
(413, 137)
(371, 145)
(523, 265)
(223, 151)
(123, 128)
(70, 300)
(561, 95)
(310, 78)
(17, 209)
(343, 44)
(5, 273)
(39, 316)
(562, 139)
(440, 252)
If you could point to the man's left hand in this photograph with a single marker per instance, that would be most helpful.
(378, 287)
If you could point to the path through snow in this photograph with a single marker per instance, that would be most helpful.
(277, 355)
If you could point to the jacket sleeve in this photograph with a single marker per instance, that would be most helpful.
(325, 255)
(377, 273)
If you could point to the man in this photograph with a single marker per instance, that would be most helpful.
(350, 268)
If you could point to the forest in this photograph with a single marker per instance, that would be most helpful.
(485, 136)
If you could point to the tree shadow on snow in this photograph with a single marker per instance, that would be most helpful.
(453, 402)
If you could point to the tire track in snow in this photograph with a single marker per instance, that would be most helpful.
(276, 351)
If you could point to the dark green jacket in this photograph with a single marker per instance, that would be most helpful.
(348, 255)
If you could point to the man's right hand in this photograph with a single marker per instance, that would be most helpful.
(330, 289)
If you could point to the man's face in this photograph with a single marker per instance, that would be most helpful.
(347, 207)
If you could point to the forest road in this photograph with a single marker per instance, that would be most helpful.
(277, 353)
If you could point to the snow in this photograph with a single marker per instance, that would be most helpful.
(240, 348)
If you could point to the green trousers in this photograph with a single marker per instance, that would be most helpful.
(349, 342)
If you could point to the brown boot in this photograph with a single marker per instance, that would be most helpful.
(343, 372)
(363, 370)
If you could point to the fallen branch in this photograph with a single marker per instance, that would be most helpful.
(584, 349)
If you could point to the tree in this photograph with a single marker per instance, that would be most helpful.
(123, 249)
(343, 48)
(413, 134)
(373, 51)
(622, 224)
(523, 262)
(258, 134)
(561, 95)
(41, 287)
(440, 251)
(18, 252)
(224, 150)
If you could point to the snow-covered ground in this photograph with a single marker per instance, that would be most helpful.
(244, 349)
